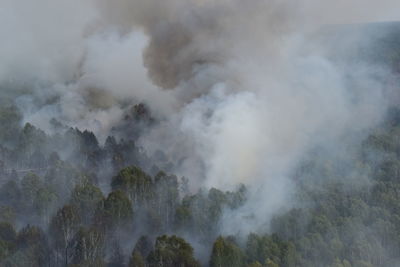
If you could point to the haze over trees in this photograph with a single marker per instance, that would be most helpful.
(58, 211)
(204, 133)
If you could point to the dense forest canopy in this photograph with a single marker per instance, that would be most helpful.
(173, 133)
(58, 210)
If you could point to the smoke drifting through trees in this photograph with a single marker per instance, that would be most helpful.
(239, 91)
(256, 89)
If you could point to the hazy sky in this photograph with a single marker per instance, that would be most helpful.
(355, 11)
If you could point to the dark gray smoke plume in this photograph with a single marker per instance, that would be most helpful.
(253, 85)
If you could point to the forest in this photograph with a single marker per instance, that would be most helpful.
(67, 210)
(196, 133)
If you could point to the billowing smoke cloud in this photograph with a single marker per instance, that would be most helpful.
(61, 62)
(251, 88)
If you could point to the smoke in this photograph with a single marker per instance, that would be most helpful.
(59, 61)
(250, 86)
(258, 92)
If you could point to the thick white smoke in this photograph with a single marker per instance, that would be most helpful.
(249, 88)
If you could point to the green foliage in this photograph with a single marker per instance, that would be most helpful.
(30, 140)
(165, 199)
(171, 251)
(63, 228)
(201, 213)
(8, 238)
(143, 246)
(62, 177)
(347, 210)
(347, 224)
(10, 119)
(135, 183)
(139, 254)
(7, 214)
(30, 185)
(32, 242)
(268, 249)
(225, 252)
(86, 197)
(44, 202)
(270, 263)
(115, 211)
(7, 232)
(137, 260)
(89, 247)
(5, 250)
(254, 264)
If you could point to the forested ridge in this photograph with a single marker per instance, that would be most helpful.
(66, 200)
(208, 89)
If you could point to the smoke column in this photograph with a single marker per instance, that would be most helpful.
(242, 88)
